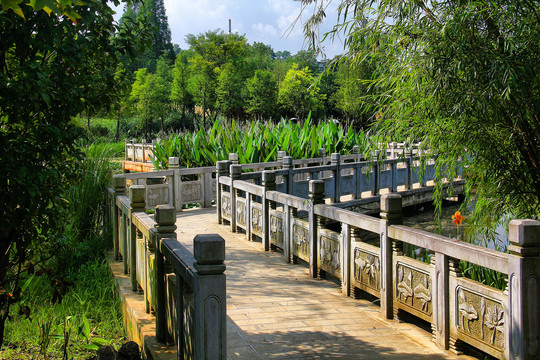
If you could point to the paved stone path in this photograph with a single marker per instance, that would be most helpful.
(276, 311)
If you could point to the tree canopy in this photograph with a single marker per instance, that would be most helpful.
(462, 78)
(56, 57)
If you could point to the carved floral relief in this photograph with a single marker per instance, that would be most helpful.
(414, 288)
(330, 253)
(226, 205)
(241, 212)
(300, 239)
(276, 230)
(191, 192)
(256, 220)
(367, 269)
(481, 317)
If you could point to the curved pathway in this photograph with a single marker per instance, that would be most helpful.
(276, 311)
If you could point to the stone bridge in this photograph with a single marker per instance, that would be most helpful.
(316, 265)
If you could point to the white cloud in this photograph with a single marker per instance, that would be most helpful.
(265, 29)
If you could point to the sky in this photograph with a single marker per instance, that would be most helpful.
(266, 21)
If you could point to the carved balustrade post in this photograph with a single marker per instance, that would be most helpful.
(235, 173)
(174, 165)
(222, 169)
(523, 314)
(345, 260)
(137, 197)
(316, 196)
(410, 163)
(269, 183)
(376, 169)
(165, 218)
(143, 145)
(233, 158)
(335, 160)
(119, 188)
(281, 155)
(210, 323)
(288, 165)
(391, 214)
(443, 266)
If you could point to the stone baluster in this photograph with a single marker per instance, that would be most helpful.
(210, 323)
(376, 170)
(143, 146)
(523, 321)
(119, 188)
(165, 218)
(235, 174)
(442, 266)
(288, 165)
(293, 213)
(391, 214)
(345, 260)
(454, 344)
(233, 158)
(269, 183)
(356, 150)
(137, 197)
(410, 163)
(222, 169)
(174, 165)
(316, 196)
(335, 159)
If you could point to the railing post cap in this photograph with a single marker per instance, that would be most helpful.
(316, 186)
(391, 203)
(281, 154)
(287, 160)
(222, 165)
(322, 152)
(174, 161)
(143, 141)
(209, 253)
(119, 181)
(356, 149)
(524, 234)
(233, 157)
(335, 157)
(236, 169)
(133, 140)
(268, 176)
(137, 194)
(165, 215)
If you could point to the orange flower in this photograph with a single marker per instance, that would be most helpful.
(457, 218)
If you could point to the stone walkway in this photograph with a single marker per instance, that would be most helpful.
(276, 311)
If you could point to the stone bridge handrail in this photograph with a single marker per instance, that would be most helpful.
(497, 322)
(166, 271)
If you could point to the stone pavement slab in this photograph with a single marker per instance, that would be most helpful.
(276, 311)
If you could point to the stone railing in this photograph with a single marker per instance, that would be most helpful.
(174, 280)
(181, 186)
(366, 253)
(139, 152)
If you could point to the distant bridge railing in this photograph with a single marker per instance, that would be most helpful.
(178, 285)
(302, 212)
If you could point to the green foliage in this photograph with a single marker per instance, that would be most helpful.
(49, 72)
(262, 92)
(229, 92)
(88, 316)
(462, 77)
(298, 94)
(256, 142)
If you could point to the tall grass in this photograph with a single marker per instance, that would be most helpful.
(256, 142)
(67, 302)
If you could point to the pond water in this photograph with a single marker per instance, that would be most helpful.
(423, 218)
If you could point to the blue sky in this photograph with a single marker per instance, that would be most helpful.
(266, 21)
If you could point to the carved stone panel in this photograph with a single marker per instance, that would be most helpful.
(367, 269)
(191, 192)
(276, 230)
(480, 317)
(157, 196)
(413, 288)
(241, 212)
(330, 254)
(300, 240)
(256, 220)
(226, 205)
